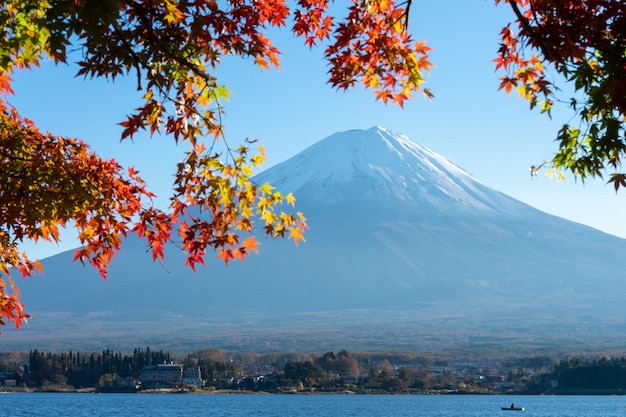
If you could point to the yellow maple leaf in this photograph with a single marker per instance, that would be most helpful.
(295, 233)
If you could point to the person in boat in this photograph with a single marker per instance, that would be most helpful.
(512, 405)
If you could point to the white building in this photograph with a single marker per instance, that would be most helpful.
(162, 375)
(193, 376)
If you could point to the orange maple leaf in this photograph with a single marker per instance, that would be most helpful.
(295, 233)
(5, 84)
(250, 244)
(225, 254)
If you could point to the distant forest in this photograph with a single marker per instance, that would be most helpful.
(602, 374)
(279, 372)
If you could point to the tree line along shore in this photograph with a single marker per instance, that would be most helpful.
(213, 370)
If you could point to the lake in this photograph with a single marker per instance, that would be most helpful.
(222, 405)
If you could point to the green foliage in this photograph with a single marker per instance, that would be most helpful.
(89, 369)
(306, 372)
(107, 380)
(585, 43)
(602, 374)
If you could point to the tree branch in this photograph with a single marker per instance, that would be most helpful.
(537, 39)
(136, 60)
(165, 48)
(406, 14)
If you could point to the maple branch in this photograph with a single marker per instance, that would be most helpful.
(141, 14)
(164, 48)
(136, 60)
(531, 33)
(406, 14)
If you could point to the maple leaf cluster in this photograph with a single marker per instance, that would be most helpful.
(371, 46)
(585, 42)
(47, 182)
(171, 48)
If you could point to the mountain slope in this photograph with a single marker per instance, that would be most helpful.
(403, 243)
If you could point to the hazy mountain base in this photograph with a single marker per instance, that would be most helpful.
(456, 334)
(405, 252)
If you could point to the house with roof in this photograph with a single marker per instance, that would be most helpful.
(163, 375)
(167, 375)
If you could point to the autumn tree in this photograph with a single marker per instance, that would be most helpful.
(341, 363)
(306, 372)
(583, 43)
(171, 48)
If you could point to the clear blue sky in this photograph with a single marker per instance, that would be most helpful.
(494, 137)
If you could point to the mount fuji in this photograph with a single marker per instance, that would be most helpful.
(405, 251)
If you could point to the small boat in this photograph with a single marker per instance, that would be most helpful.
(513, 408)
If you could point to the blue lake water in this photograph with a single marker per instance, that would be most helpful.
(218, 405)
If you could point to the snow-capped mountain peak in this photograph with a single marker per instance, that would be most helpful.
(381, 164)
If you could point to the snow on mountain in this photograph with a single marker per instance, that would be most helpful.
(401, 241)
(382, 165)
